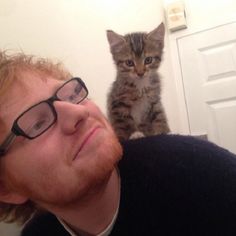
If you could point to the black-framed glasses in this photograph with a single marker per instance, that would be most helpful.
(40, 117)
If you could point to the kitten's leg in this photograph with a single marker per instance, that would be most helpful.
(123, 126)
(120, 117)
(157, 121)
(136, 134)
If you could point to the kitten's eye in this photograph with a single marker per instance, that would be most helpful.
(129, 63)
(148, 60)
(157, 58)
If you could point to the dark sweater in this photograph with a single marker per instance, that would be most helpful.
(170, 185)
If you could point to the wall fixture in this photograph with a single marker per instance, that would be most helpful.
(175, 15)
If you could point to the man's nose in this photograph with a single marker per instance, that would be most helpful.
(69, 115)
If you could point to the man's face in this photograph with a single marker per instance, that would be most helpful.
(69, 160)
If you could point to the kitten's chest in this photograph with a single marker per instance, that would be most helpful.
(139, 108)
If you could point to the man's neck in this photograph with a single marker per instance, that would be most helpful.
(94, 216)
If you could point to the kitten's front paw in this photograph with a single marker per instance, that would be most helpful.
(136, 134)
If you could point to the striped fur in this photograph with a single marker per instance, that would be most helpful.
(134, 102)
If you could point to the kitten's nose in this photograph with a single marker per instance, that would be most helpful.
(140, 74)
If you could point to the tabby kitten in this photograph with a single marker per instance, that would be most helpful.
(134, 101)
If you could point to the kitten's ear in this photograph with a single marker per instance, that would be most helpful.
(114, 39)
(158, 33)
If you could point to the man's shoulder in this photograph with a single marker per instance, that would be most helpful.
(188, 184)
(44, 224)
(171, 145)
(153, 149)
(174, 154)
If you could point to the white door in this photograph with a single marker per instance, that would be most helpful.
(208, 64)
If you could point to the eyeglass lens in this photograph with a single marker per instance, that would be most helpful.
(41, 116)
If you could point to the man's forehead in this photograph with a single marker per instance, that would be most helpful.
(11, 104)
(4, 126)
(8, 108)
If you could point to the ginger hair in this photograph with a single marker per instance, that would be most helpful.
(12, 66)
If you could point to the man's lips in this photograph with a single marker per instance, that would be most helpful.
(86, 139)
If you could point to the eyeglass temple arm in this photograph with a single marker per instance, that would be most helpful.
(6, 143)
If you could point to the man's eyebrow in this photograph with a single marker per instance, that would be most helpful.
(57, 86)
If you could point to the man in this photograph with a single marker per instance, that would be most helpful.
(61, 162)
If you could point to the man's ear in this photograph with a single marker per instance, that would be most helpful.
(9, 196)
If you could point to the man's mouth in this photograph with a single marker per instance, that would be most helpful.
(87, 138)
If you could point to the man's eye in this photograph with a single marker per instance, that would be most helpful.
(39, 125)
(77, 89)
(72, 98)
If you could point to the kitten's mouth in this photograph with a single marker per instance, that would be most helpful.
(140, 77)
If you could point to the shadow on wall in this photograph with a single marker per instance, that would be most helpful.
(9, 229)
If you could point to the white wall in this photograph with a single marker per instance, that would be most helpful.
(75, 32)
